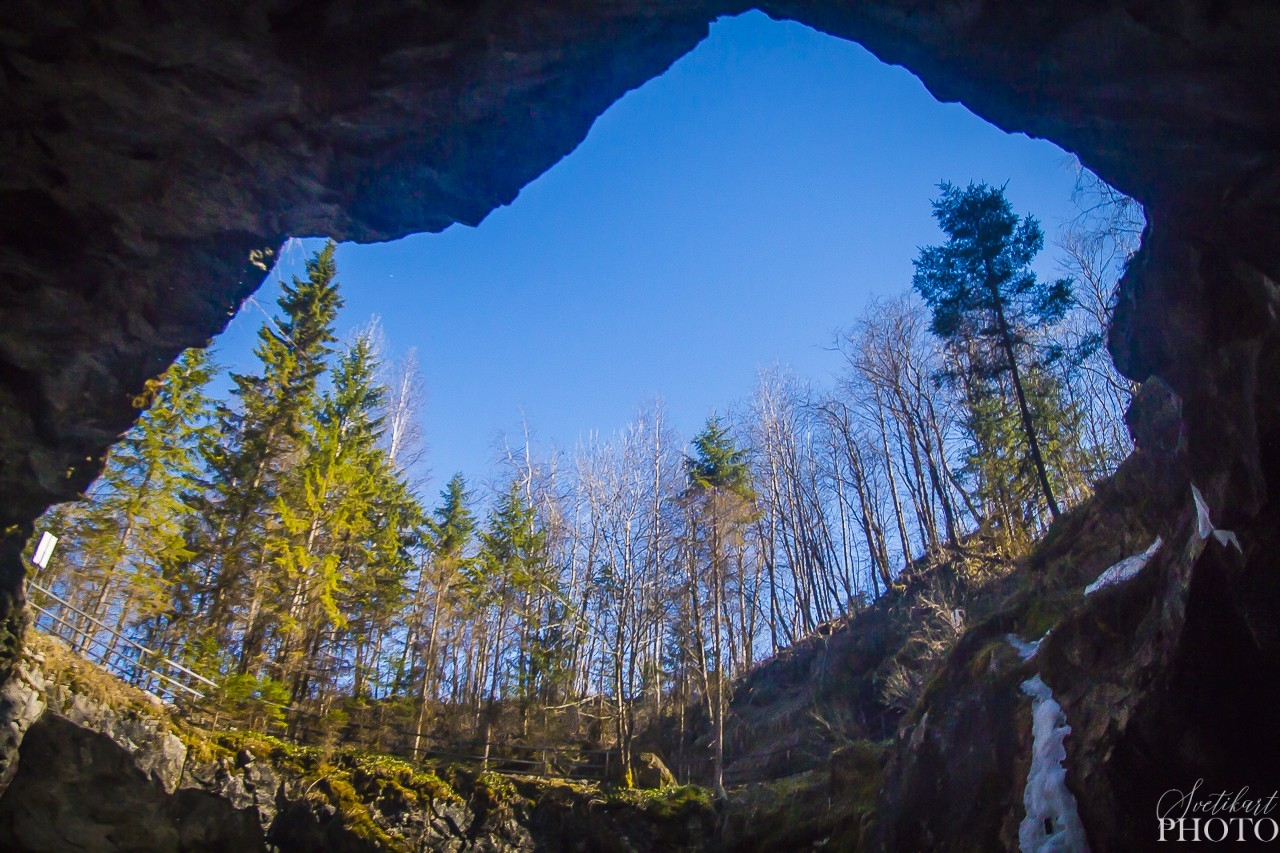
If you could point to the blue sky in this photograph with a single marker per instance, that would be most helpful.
(729, 215)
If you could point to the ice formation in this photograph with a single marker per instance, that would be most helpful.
(1204, 526)
(1226, 537)
(1025, 650)
(1125, 569)
(1052, 824)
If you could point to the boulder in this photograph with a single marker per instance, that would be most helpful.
(651, 772)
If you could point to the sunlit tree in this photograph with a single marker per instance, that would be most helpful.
(988, 303)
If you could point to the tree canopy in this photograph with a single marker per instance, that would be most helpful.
(987, 302)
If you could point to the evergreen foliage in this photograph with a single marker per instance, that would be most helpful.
(992, 310)
(128, 538)
(721, 493)
(453, 523)
(259, 443)
(718, 463)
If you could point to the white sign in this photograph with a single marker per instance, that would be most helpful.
(45, 549)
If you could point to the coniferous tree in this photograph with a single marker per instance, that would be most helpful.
(343, 510)
(721, 498)
(126, 538)
(514, 555)
(987, 302)
(260, 441)
(502, 582)
(450, 532)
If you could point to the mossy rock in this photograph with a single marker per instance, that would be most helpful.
(803, 812)
(675, 803)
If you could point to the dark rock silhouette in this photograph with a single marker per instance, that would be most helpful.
(153, 158)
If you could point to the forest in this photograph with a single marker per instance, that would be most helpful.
(278, 542)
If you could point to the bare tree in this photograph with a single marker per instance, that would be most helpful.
(1097, 244)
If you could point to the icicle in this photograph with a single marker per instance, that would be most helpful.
(1226, 537)
(1125, 569)
(1052, 824)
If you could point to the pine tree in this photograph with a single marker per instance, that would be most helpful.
(987, 301)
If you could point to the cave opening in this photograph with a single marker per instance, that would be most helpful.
(758, 199)
(775, 178)
(1195, 146)
(765, 192)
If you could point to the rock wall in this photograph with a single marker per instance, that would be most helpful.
(105, 767)
(152, 157)
(97, 777)
(80, 791)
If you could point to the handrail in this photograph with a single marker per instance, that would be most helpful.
(590, 763)
(62, 621)
(114, 632)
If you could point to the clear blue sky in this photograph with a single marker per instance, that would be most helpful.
(728, 215)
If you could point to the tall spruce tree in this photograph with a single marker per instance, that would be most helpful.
(514, 551)
(381, 524)
(987, 301)
(450, 530)
(327, 508)
(260, 441)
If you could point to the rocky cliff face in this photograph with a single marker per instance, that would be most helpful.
(152, 158)
(103, 767)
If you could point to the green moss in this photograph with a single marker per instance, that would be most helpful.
(815, 809)
(356, 816)
(796, 813)
(674, 803)
(1046, 611)
(201, 748)
(861, 761)
(493, 790)
(430, 785)
(980, 664)
(286, 757)
(395, 783)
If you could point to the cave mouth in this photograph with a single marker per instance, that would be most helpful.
(764, 186)
(1174, 103)
(775, 178)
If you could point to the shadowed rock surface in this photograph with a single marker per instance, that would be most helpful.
(78, 790)
(152, 157)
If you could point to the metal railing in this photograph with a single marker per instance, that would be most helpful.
(146, 669)
(135, 663)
